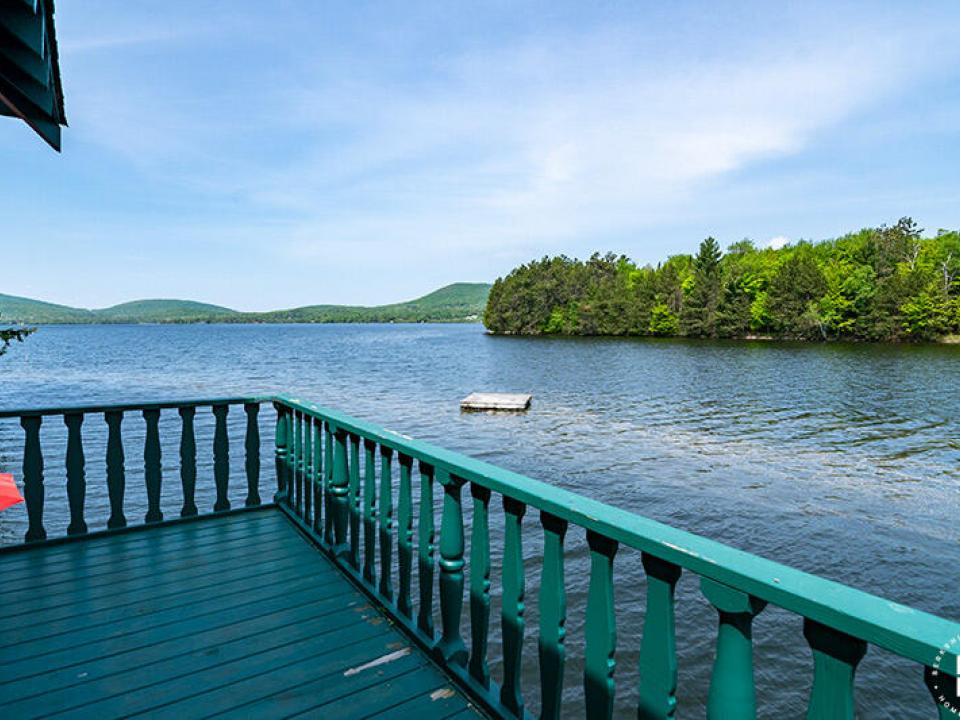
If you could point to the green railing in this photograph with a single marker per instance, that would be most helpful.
(75, 458)
(335, 476)
(350, 486)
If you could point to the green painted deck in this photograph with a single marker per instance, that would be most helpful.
(236, 615)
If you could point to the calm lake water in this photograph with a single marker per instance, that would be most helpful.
(842, 460)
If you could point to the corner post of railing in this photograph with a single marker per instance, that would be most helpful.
(306, 470)
(116, 469)
(732, 695)
(252, 454)
(512, 615)
(221, 458)
(340, 492)
(835, 659)
(188, 460)
(328, 504)
(658, 647)
(33, 490)
(450, 646)
(553, 616)
(152, 468)
(280, 450)
(76, 479)
(600, 629)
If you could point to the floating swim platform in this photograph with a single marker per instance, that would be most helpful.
(496, 401)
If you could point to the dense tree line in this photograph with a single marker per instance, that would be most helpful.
(885, 283)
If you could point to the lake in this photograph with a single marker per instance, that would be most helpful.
(842, 460)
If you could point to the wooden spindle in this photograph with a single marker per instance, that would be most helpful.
(221, 457)
(296, 462)
(355, 500)
(116, 473)
(280, 449)
(405, 537)
(386, 523)
(251, 446)
(451, 647)
(658, 649)
(480, 585)
(553, 616)
(426, 547)
(512, 621)
(369, 513)
(835, 659)
(600, 630)
(306, 469)
(152, 469)
(328, 504)
(188, 461)
(340, 492)
(732, 695)
(317, 475)
(33, 490)
(76, 480)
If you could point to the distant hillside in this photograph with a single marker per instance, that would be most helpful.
(457, 302)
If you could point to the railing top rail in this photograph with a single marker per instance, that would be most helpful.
(127, 407)
(908, 632)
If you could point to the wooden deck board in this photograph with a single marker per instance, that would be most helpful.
(232, 615)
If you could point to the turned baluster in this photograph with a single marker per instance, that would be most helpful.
(405, 537)
(33, 490)
(280, 449)
(512, 613)
(600, 629)
(116, 473)
(76, 481)
(426, 545)
(221, 457)
(354, 501)
(835, 659)
(480, 585)
(340, 492)
(450, 645)
(658, 649)
(251, 445)
(188, 461)
(306, 469)
(369, 513)
(732, 695)
(386, 523)
(317, 475)
(152, 469)
(553, 616)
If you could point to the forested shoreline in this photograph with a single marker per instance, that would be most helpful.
(878, 284)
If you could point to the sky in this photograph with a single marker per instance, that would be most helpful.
(264, 155)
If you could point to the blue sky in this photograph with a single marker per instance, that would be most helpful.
(274, 154)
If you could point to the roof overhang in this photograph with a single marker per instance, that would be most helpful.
(30, 86)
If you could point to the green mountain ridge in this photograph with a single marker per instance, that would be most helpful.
(452, 303)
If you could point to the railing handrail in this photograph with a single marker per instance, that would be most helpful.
(905, 631)
(129, 407)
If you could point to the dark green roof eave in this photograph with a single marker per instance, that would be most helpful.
(30, 84)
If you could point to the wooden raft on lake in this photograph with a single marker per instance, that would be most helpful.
(496, 401)
(304, 604)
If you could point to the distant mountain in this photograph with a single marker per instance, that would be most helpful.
(453, 303)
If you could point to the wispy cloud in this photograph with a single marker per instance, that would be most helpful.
(312, 138)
